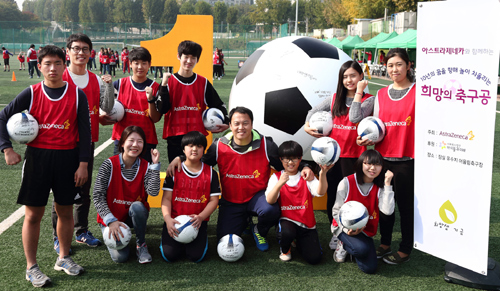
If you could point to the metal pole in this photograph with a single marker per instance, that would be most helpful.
(296, 16)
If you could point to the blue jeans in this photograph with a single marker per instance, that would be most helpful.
(363, 249)
(234, 217)
(138, 218)
(106, 69)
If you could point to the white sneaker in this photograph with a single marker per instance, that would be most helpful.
(340, 254)
(68, 266)
(36, 277)
(286, 257)
(333, 242)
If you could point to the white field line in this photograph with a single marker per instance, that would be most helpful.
(19, 213)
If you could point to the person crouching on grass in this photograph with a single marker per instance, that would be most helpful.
(373, 189)
(194, 191)
(294, 196)
(127, 178)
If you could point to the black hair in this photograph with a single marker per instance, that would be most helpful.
(195, 138)
(140, 54)
(399, 52)
(4, 48)
(188, 47)
(127, 132)
(290, 149)
(51, 50)
(78, 37)
(339, 108)
(242, 110)
(370, 157)
(32, 45)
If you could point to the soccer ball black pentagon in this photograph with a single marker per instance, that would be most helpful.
(282, 80)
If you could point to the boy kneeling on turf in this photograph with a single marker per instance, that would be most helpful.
(294, 196)
(194, 191)
(52, 160)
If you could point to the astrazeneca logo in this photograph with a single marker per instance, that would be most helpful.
(138, 112)
(94, 110)
(298, 207)
(344, 127)
(188, 108)
(407, 122)
(65, 125)
(468, 136)
(123, 202)
(254, 175)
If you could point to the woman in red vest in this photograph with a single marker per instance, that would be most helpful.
(395, 106)
(120, 192)
(350, 88)
(372, 189)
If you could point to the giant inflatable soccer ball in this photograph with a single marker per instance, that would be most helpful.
(282, 80)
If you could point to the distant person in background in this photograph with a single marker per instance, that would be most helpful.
(21, 59)
(382, 58)
(32, 61)
(6, 56)
(222, 62)
(112, 63)
(126, 64)
(369, 55)
(105, 62)
(91, 58)
(117, 57)
(100, 60)
(217, 64)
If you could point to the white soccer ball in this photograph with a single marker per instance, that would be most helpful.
(353, 215)
(116, 113)
(282, 80)
(322, 122)
(22, 127)
(231, 248)
(123, 240)
(325, 151)
(187, 233)
(371, 128)
(211, 118)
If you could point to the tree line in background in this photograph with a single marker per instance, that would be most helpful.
(313, 14)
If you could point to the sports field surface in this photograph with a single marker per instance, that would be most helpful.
(255, 271)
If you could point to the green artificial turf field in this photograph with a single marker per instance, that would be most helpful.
(255, 271)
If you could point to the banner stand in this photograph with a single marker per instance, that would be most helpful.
(461, 276)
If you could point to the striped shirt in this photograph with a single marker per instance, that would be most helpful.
(151, 184)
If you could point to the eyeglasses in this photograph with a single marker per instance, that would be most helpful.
(286, 161)
(77, 49)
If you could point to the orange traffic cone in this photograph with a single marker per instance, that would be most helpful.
(14, 77)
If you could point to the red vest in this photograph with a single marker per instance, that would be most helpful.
(136, 107)
(370, 202)
(5, 54)
(92, 54)
(21, 59)
(296, 203)
(345, 133)
(32, 55)
(399, 119)
(125, 56)
(122, 193)
(105, 59)
(216, 59)
(57, 119)
(188, 104)
(93, 93)
(112, 59)
(191, 194)
(242, 175)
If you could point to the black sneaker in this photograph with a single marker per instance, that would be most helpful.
(381, 252)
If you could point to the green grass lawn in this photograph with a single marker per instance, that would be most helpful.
(255, 271)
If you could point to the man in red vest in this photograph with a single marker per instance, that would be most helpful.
(245, 158)
(100, 94)
(53, 160)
